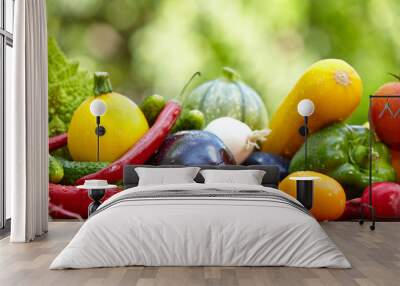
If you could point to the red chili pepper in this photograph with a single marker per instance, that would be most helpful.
(71, 202)
(58, 141)
(143, 149)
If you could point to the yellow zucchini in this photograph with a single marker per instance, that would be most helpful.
(334, 87)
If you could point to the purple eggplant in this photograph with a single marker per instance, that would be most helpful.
(193, 147)
(261, 158)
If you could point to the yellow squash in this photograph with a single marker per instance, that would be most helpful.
(124, 123)
(334, 87)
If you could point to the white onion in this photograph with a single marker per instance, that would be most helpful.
(237, 136)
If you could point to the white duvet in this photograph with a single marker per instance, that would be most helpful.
(207, 230)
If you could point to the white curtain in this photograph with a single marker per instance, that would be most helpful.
(26, 119)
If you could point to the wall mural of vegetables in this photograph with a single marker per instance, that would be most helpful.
(222, 122)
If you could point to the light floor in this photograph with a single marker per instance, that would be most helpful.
(375, 257)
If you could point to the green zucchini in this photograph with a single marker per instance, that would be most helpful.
(74, 170)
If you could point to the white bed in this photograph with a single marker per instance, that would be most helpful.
(203, 225)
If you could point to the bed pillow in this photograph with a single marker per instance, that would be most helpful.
(247, 177)
(166, 176)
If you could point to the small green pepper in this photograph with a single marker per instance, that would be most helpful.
(190, 120)
(342, 152)
(56, 170)
(152, 106)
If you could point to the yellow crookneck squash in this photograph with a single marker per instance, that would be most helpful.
(124, 123)
(334, 87)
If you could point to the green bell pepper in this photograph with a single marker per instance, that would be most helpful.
(342, 152)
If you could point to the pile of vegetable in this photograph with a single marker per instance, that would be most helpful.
(222, 122)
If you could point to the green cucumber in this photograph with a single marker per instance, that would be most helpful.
(74, 170)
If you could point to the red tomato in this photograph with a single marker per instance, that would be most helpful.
(385, 122)
(385, 199)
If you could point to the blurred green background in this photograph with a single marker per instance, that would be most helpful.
(154, 46)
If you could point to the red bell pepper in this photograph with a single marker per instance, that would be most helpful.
(58, 141)
(71, 202)
(143, 149)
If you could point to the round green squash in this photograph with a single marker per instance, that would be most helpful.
(228, 96)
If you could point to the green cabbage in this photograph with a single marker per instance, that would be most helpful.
(69, 86)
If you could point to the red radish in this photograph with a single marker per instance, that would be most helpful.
(58, 141)
(352, 209)
(71, 202)
(143, 149)
(385, 199)
(385, 121)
